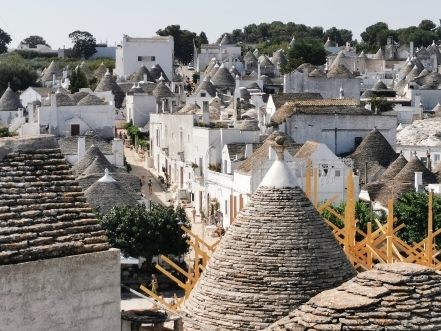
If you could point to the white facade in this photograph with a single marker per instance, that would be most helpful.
(99, 118)
(150, 51)
(339, 131)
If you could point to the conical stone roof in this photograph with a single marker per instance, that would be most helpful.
(396, 296)
(89, 74)
(339, 71)
(253, 86)
(223, 79)
(379, 85)
(250, 58)
(379, 55)
(107, 193)
(76, 97)
(213, 71)
(279, 58)
(99, 166)
(374, 149)
(211, 65)
(100, 71)
(414, 73)
(276, 255)
(91, 100)
(50, 71)
(207, 86)
(139, 75)
(407, 174)
(256, 53)
(317, 73)
(162, 91)
(226, 40)
(107, 83)
(394, 168)
(10, 101)
(92, 154)
(406, 69)
(423, 73)
(329, 43)
(156, 72)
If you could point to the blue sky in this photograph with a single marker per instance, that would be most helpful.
(109, 20)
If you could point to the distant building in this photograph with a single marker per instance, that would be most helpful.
(150, 51)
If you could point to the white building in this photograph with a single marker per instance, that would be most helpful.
(63, 116)
(135, 51)
(340, 124)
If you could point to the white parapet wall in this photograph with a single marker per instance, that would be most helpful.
(80, 292)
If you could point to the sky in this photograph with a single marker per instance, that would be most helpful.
(109, 20)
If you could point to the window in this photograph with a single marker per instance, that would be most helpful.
(226, 207)
(203, 95)
(139, 58)
(357, 141)
(436, 157)
(337, 173)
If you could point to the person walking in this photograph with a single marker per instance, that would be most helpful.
(149, 184)
(193, 212)
(154, 285)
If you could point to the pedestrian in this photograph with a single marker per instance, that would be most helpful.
(150, 186)
(154, 285)
(193, 212)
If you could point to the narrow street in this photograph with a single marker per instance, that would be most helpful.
(128, 300)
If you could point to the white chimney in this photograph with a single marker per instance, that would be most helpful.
(248, 150)
(418, 180)
(81, 147)
(258, 69)
(411, 49)
(145, 78)
(53, 80)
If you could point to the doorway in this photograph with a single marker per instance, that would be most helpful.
(74, 130)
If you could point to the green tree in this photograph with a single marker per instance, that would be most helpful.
(369, 36)
(183, 41)
(78, 80)
(84, 44)
(306, 50)
(4, 132)
(384, 34)
(16, 71)
(334, 35)
(138, 231)
(381, 104)
(362, 214)
(412, 209)
(5, 40)
(201, 40)
(423, 38)
(427, 25)
(33, 41)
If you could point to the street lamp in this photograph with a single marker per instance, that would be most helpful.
(179, 222)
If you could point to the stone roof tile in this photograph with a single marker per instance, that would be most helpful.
(44, 213)
(370, 301)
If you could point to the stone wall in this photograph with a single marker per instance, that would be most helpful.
(73, 293)
(329, 88)
(321, 128)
